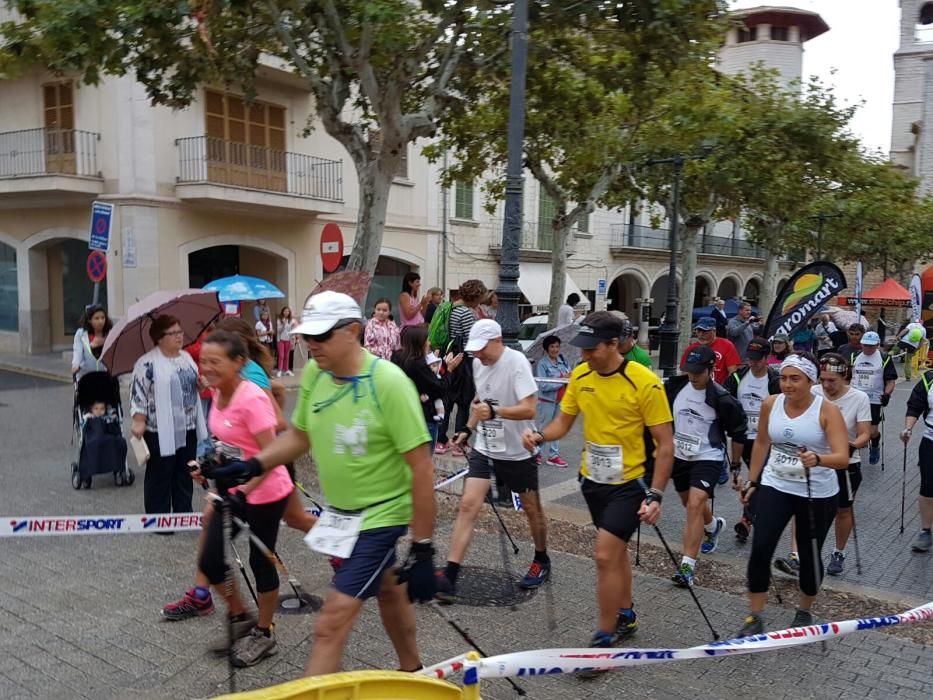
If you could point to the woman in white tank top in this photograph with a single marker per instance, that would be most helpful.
(801, 440)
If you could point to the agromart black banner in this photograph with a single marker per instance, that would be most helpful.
(803, 295)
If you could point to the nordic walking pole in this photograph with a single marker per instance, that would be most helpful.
(469, 640)
(903, 487)
(690, 586)
(881, 430)
(249, 585)
(858, 558)
(638, 545)
(501, 522)
(814, 546)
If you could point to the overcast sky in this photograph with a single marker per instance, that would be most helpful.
(859, 46)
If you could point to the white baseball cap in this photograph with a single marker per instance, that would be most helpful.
(481, 333)
(431, 358)
(323, 311)
(871, 338)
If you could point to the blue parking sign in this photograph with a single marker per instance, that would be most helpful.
(101, 220)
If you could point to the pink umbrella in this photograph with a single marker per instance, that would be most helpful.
(129, 339)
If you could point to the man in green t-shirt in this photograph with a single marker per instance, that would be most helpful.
(362, 417)
(631, 350)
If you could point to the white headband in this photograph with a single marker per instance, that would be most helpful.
(803, 364)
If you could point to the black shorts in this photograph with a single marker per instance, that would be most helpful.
(703, 475)
(875, 413)
(853, 476)
(360, 575)
(519, 476)
(614, 508)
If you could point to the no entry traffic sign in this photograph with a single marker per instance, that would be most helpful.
(96, 266)
(331, 247)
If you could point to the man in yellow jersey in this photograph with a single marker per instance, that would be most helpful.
(620, 400)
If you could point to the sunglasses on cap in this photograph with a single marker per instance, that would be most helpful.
(324, 337)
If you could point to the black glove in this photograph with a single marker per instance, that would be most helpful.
(418, 572)
(237, 502)
(885, 399)
(231, 471)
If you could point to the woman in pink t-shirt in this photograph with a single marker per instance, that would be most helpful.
(243, 421)
(410, 309)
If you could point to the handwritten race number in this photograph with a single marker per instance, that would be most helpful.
(784, 462)
(493, 432)
(686, 446)
(604, 463)
(335, 534)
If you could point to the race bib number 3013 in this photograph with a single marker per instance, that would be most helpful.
(604, 463)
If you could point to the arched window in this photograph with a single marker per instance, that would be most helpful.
(9, 291)
(926, 14)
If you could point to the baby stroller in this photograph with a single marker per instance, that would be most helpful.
(101, 445)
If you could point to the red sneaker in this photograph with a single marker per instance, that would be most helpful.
(189, 606)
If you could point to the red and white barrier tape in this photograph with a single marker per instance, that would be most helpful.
(556, 661)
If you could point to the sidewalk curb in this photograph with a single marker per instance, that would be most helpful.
(33, 372)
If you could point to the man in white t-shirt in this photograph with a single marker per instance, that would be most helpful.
(855, 405)
(704, 414)
(505, 406)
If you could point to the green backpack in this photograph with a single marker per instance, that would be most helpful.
(439, 330)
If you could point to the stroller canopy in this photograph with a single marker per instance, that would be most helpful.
(97, 386)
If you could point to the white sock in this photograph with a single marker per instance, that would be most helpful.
(794, 555)
(692, 563)
(839, 551)
(711, 527)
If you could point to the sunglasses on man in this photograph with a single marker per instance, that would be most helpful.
(324, 337)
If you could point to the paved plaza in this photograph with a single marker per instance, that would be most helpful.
(80, 615)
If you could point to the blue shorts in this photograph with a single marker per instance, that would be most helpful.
(360, 575)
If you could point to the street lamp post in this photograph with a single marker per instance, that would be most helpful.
(670, 330)
(820, 220)
(508, 291)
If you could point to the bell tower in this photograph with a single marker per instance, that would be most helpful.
(912, 127)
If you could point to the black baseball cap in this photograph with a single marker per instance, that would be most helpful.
(758, 348)
(599, 327)
(700, 359)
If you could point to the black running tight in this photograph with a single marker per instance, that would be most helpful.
(774, 510)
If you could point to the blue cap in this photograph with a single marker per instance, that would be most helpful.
(871, 338)
(707, 323)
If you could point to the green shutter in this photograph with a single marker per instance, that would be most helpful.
(583, 225)
(463, 201)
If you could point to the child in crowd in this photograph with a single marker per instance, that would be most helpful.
(434, 362)
(98, 410)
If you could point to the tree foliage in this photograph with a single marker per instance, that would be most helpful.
(595, 73)
(373, 66)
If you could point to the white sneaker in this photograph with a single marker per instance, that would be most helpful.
(289, 373)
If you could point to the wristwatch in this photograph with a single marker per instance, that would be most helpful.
(540, 434)
(492, 410)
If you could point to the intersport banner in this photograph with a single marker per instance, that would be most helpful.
(802, 296)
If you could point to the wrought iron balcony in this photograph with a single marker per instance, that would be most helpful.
(48, 151)
(647, 238)
(213, 161)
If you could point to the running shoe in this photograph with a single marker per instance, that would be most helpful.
(723, 473)
(626, 626)
(711, 539)
(802, 618)
(289, 373)
(241, 628)
(788, 565)
(538, 573)
(600, 640)
(457, 451)
(442, 448)
(445, 590)
(685, 577)
(253, 648)
(743, 529)
(189, 606)
(557, 461)
(836, 563)
(923, 542)
(753, 625)
(874, 454)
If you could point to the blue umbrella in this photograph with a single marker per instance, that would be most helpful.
(244, 288)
